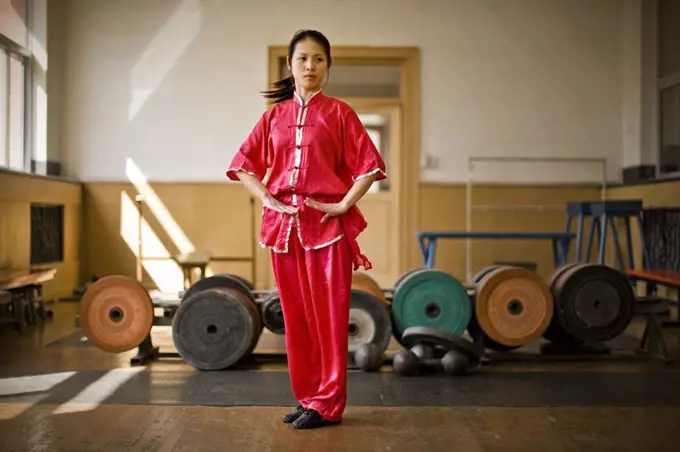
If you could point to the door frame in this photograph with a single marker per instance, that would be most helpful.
(407, 59)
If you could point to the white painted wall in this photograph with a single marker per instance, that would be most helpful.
(174, 84)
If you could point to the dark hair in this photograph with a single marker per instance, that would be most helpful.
(284, 88)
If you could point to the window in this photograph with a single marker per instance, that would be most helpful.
(376, 138)
(668, 16)
(15, 83)
(669, 158)
(12, 110)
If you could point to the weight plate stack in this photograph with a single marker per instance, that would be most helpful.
(408, 273)
(237, 283)
(272, 313)
(595, 302)
(361, 281)
(473, 327)
(555, 333)
(513, 306)
(216, 327)
(431, 298)
(116, 313)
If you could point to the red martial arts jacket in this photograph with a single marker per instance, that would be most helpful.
(317, 150)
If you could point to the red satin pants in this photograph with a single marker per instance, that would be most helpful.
(315, 288)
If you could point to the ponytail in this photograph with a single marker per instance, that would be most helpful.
(282, 90)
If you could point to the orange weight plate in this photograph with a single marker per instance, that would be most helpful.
(361, 281)
(116, 313)
(513, 306)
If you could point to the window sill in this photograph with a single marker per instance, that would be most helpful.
(18, 173)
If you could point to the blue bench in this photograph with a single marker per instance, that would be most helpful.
(603, 214)
(427, 241)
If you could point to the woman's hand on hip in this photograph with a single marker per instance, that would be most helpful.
(270, 202)
(330, 209)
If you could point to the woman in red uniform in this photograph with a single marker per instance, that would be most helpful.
(321, 162)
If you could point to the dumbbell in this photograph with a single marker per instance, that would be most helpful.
(422, 357)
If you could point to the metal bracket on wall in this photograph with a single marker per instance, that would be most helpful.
(602, 162)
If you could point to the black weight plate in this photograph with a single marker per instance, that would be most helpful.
(215, 328)
(369, 322)
(245, 282)
(555, 333)
(272, 314)
(259, 326)
(442, 338)
(596, 302)
(222, 280)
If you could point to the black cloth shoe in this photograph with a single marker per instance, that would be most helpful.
(312, 419)
(293, 415)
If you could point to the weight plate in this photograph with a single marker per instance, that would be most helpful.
(555, 333)
(369, 322)
(215, 328)
(259, 326)
(361, 281)
(473, 327)
(245, 282)
(480, 274)
(221, 280)
(408, 273)
(596, 302)
(513, 306)
(272, 314)
(433, 298)
(555, 275)
(116, 313)
(440, 338)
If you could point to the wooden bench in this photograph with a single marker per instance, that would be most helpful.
(654, 306)
(25, 289)
(190, 261)
(659, 277)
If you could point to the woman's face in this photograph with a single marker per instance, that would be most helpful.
(308, 65)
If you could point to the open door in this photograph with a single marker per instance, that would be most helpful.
(381, 207)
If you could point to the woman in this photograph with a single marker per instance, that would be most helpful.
(322, 161)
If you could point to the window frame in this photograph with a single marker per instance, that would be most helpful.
(23, 54)
(664, 83)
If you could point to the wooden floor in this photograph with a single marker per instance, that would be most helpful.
(31, 421)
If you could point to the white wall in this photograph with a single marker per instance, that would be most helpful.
(174, 84)
(13, 23)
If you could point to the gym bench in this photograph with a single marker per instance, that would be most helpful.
(427, 241)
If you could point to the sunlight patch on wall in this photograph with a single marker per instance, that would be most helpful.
(151, 199)
(156, 259)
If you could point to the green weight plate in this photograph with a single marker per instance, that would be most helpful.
(401, 278)
(431, 298)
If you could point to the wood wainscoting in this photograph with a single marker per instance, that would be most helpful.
(18, 192)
